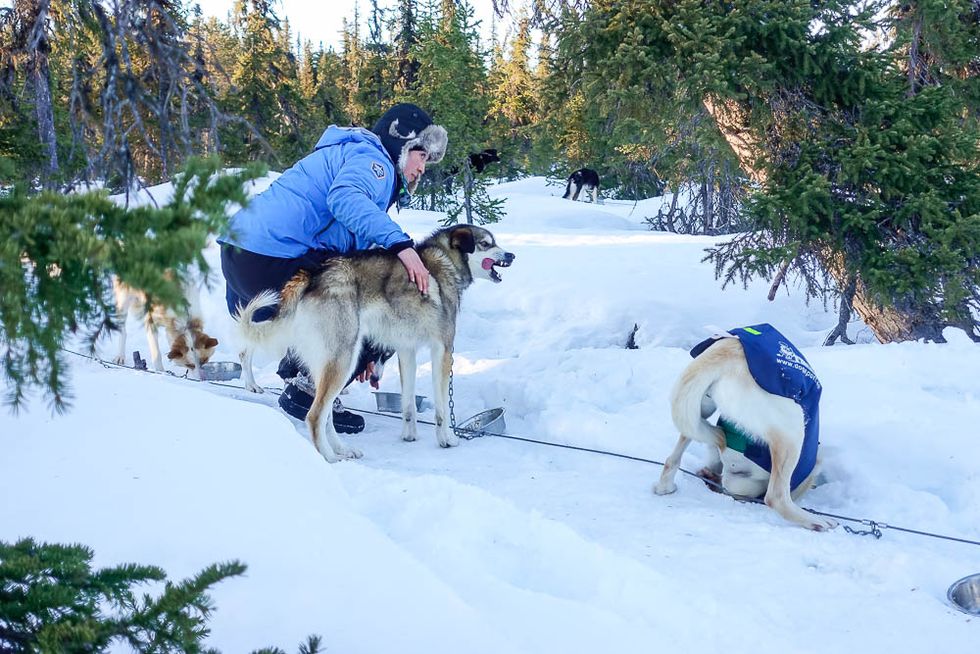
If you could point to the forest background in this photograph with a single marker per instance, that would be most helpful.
(831, 146)
(838, 141)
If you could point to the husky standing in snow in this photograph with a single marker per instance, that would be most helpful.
(327, 315)
(582, 179)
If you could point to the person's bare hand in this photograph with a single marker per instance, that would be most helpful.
(365, 374)
(417, 272)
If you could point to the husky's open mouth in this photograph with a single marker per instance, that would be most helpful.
(490, 266)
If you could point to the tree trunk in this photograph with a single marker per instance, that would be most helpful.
(35, 16)
(45, 113)
(468, 191)
(889, 324)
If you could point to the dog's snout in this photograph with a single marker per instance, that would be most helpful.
(509, 257)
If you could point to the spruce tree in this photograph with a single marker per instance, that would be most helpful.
(25, 52)
(307, 70)
(289, 100)
(378, 70)
(52, 600)
(330, 109)
(541, 158)
(57, 252)
(452, 87)
(406, 38)
(320, 73)
(264, 87)
(864, 153)
(353, 59)
(128, 90)
(514, 102)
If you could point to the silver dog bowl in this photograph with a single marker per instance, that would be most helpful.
(965, 594)
(490, 421)
(221, 370)
(392, 402)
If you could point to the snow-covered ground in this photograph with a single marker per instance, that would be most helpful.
(503, 546)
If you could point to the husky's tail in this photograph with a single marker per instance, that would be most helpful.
(267, 331)
(695, 382)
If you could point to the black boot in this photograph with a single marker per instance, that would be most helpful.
(297, 402)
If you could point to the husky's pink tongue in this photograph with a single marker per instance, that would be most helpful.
(488, 263)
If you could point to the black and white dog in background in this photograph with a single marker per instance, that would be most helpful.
(478, 163)
(480, 160)
(582, 179)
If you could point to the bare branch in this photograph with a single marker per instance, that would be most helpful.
(778, 280)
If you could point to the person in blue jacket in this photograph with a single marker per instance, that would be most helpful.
(331, 202)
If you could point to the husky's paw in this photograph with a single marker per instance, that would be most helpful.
(340, 455)
(448, 439)
(821, 524)
(253, 387)
(350, 453)
(664, 488)
(119, 360)
(409, 438)
(328, 454)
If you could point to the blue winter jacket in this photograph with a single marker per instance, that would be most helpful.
(781, 369)
(335, 198)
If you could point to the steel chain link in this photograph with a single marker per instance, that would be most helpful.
(874, 531)
(452, 405)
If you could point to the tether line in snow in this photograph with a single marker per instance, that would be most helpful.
(875, 527)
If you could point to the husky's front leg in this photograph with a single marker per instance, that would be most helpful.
(442, 367)
(123, 305)
(785, 450)
(152, 342)
(120, 357)
(406, 373)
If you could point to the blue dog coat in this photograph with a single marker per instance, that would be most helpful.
(778, 368)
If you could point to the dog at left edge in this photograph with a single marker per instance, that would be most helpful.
(190, 346)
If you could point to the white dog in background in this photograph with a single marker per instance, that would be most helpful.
(719, 380)
(190, 346)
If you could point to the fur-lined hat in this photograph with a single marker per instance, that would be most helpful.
(405, 127)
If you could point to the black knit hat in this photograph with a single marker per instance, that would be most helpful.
(405, 127)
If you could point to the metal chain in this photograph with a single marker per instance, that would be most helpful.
(452, 404)
(465, 434)
(874, 531)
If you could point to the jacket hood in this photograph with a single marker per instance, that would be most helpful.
(334, 135)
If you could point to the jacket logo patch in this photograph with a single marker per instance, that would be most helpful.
(378, 170)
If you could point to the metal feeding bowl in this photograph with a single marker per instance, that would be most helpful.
(221, 370)
(965, 594)
(490, 421)
(392, 402)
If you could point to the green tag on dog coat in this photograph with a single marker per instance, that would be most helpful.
(735, 438)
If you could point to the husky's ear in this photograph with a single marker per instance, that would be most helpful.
(211, 342)
(462, 239)
(178, 349)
